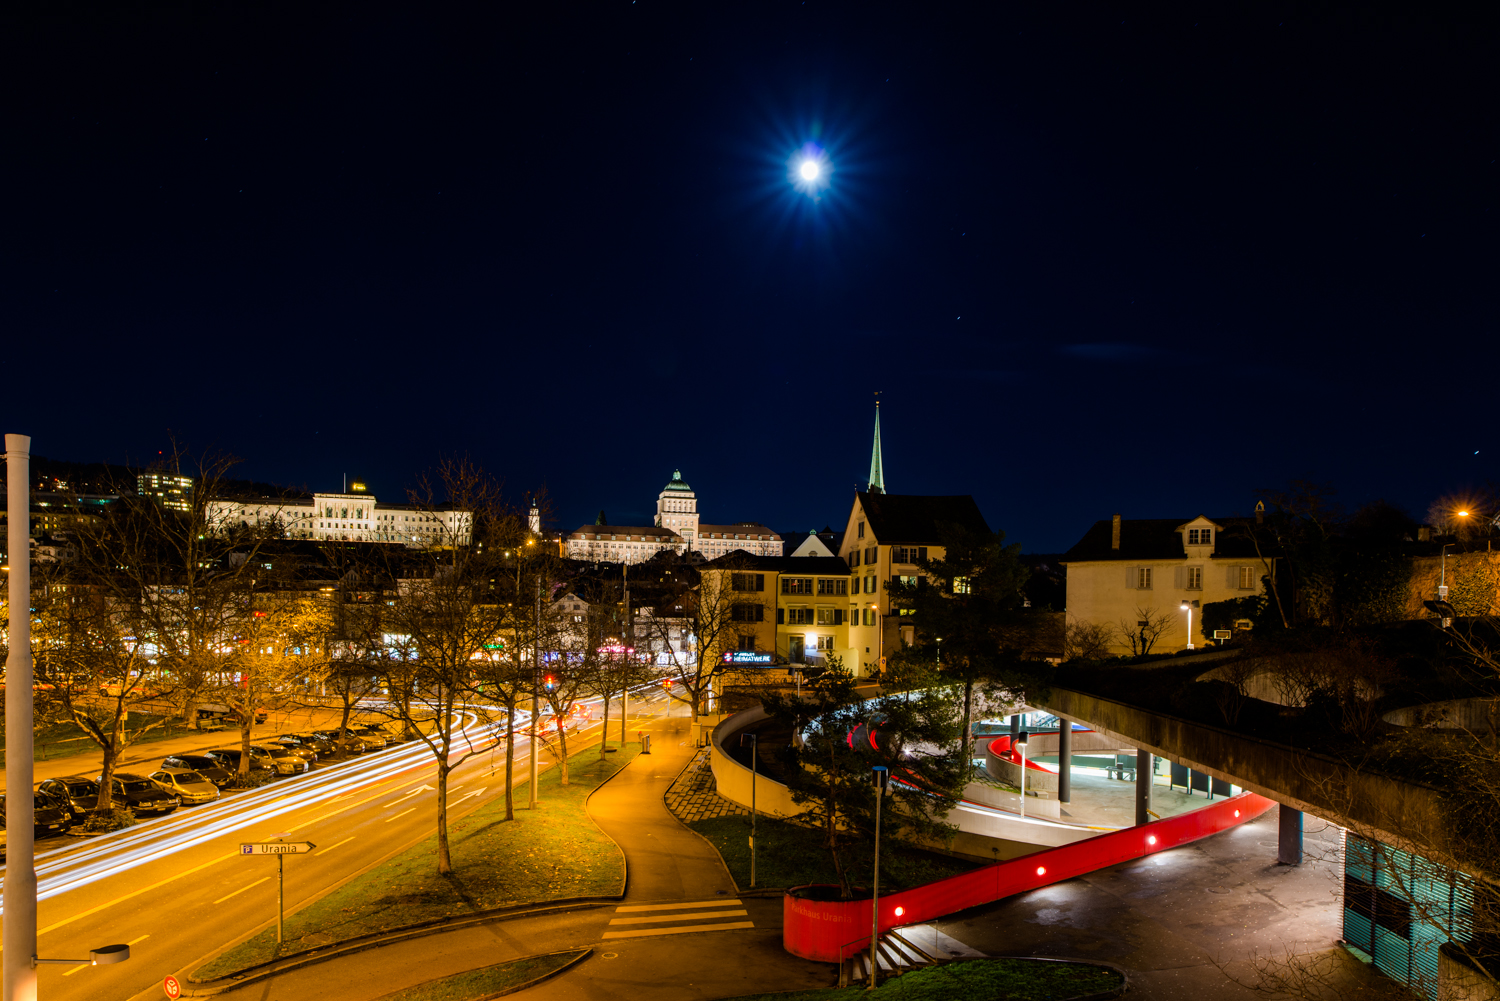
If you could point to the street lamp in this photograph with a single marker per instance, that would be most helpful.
(882, 776)
(754, 739)
(102, 956)
(1020, 744)
(1187, 606)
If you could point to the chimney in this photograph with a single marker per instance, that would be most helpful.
(1260, 512)
(1114, 535)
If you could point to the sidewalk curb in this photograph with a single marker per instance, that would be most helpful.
(759, 891)
(582, 955)
(204, 989)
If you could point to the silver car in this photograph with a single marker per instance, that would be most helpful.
(187, 785)
(283, 760)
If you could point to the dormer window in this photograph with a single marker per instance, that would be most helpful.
(1200, 537)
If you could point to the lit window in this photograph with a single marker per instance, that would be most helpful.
(961, 585)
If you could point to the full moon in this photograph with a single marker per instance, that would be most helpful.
(809, 170)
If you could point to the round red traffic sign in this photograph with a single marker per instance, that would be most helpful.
(172, 988)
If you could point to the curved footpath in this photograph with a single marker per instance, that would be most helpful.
(679, 933)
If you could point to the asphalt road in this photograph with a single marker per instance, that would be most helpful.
(177, 890)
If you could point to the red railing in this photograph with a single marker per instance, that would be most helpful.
(1000, 748)
(816, 929)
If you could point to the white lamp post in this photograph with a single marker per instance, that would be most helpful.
(1021, 739)
(1187, 606)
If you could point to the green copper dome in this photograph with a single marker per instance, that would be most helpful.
(677, 483)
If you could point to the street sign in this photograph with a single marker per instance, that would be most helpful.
(172, 988)
(277, 848)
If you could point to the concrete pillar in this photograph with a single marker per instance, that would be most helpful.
(1289, 837)
(1142, 786)
(1065, 762)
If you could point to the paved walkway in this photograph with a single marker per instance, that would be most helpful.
(1186, 924)
(694, 796)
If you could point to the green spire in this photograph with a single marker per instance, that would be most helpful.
(877, 469)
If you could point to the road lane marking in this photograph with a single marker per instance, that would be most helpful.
(331, 847)
(80, 966)
(643, 932)
(646, 919)
(141, 939)
(626, 908)
(242, 889)
(400, 815)
(137, 893)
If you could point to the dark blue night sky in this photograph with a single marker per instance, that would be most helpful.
(1097, 258)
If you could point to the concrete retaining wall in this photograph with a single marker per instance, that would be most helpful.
(733, 779)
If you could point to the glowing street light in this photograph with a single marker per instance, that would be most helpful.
(1188, 607)
(809, 170)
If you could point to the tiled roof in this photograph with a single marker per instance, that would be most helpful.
(624, 533)
(906, 519)
(1160, 539)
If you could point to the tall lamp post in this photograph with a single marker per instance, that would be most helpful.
(1187, 606)
(754, 739)
(1021, 740)
(882, 778)
(20, 870)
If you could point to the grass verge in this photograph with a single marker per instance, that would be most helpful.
(976, 980)
(487, 981)
(550, 854)
(791, 855)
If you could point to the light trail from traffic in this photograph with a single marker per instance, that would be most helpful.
(76, 866)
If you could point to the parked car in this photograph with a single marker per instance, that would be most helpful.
(211, 710)
(139, 794)
(209, 767)
(325, 748)
(186, 784)
(229, 759)
(301, 746)
(373, 734)
(50, 818)
(63, 803)
(285, 760)
(354, 743)
(81, 794)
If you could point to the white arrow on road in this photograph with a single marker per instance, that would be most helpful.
(413, 793)
(471, 795)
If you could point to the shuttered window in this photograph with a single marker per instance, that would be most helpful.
(1138, 578)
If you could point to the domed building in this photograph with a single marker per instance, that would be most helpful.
(677, 528)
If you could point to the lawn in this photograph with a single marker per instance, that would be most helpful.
(487, 980)
(66, 739)
(792, 855)
(555, 853)
(976, 980)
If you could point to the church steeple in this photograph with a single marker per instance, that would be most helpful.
(877, 468)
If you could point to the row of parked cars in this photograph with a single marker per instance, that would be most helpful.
(191, 779)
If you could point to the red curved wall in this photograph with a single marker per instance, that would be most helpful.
(817, 930)
(1000, 748)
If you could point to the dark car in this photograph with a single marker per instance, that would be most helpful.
(229, 758)
(80, 794)
(373, 734)
(323, 747)
(302, 746)
(353, 741)
(285, 760)
(139, 794)
(209, 767)
(50, 818)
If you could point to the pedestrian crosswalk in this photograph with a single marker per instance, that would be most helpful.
(682, 918)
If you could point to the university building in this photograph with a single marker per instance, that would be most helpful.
(351, 517)
(677, 528)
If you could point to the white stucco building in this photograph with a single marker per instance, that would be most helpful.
(353, 517)
(677, 528)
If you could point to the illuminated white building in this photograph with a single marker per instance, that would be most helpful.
(352, 517)
(677, 528)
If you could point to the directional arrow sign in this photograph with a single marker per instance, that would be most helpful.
(277, 848)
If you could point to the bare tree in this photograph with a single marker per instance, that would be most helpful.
(1141, 633)
(1087, 640)
(448, 612)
